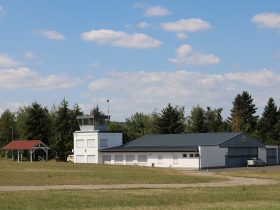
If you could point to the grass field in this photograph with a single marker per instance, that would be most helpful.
(263, 173)
(58, 173)
(262, 197)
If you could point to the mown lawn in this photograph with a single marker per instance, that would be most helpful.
(58, 173)
(263, 173)
(259, 197)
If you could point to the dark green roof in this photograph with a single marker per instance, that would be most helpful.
(186, 142)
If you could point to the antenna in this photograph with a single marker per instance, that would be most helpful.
(108, 103)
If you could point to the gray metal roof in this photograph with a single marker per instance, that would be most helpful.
(186, 142)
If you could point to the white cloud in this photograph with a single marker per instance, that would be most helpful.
(29, 54)
(144, 91)
(26, 78)
(49, 34)
(185, 55)
(156, 11)
(143, 25)
(181, 36)
(6, 61)
(267, 20)
(186, 25)
(2, 11)
(121, 39)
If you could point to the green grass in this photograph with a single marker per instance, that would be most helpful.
(262, 173)
(259, 197)
(58, 173)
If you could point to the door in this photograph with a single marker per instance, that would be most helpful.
(271, 156)
(80, 158)
(106, 159)
(238, 156)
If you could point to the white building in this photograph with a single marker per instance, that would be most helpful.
(196, 151)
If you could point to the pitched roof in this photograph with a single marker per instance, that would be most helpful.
(183, 142)
(22, 144)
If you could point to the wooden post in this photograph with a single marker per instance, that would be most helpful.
(30, 152)
(18, 156)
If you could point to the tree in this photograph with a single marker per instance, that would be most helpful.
(99, 116)
(214, 119)
(139, 125)
(63, 137)
(242, 114)
(7, 127)
(21, 125)
(171, 120)
(196, 122)
(266, 127)
(37, 123)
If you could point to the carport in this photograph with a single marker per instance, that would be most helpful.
(30, 145)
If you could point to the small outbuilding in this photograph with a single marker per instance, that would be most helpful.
(21, 145)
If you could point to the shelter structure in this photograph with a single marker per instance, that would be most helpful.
(30, 145)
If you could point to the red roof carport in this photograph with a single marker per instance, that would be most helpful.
(30, 145)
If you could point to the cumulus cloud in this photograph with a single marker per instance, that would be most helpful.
(144, 91)
(2, 11)
(26, 78)
(50, 34)
(181, 36)
(6, 61)
(121, 39)
(267, 20)
(29, 54)
(185, 55)
(186, 25)
(143, 25)
(156, 11)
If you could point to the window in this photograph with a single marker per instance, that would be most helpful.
(160, 159)
(175, 159)
(80, 159)
(91, 158)
(196, 155)
(106, 159)
(91, 143)
(130, 159)
(185, 155)
(142, 158)
(118, 159)
(103, 142)
(80, 143)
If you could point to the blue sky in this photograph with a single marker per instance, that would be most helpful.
(139, 54)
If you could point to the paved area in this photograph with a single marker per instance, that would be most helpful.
(230, 182)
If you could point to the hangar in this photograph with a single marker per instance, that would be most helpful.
(193, 150)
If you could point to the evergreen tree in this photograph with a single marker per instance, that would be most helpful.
(266, 127)
(7, 127)
(99, 116)
(21, 122)
(63, 143)
(242, 114)
(37, 123)
(196, 122)
(214, 120)
(171, 120)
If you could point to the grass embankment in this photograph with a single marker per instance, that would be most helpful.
(259, 197)
(259, 172)
(59, 173)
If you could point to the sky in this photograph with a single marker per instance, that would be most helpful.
(140, 55)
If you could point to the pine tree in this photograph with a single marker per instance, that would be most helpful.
(196, 122)
(266, 127)
(7, 127)
(37, 123)
(242, 113)
(171, 120)
(214, 120)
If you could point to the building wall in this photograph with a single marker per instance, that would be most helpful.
(212, 156)
(155, 159)
(87, 145)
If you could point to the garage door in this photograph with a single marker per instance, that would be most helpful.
(271, 156)
(237, 157)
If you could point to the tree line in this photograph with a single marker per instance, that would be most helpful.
(55, 126)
